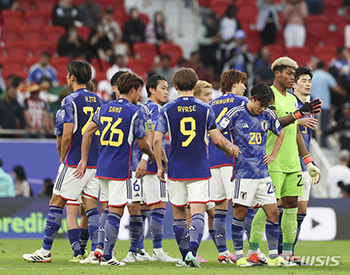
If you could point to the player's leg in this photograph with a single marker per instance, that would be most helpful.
(72, 209)
(83, 230)
(142, 255)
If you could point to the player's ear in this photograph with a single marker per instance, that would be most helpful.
(176, 88)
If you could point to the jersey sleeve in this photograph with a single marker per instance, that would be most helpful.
(139, 125)
(59, 123)
(211, 119)
(275, 124)
(96, 117)
(162, 124)
(147, 118)
(68, 111)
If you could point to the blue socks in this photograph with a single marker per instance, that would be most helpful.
(93, 217)
(272, 235)
(237, 237)
(136, 228)
(196, 232)
(181, 236)
(300, 219)
(157, 226)
(144, 214)
(101, 227)
(73, 236)
(212, 235)
(220, 229)
(53, 224)
(83, 239)
(280, 239)
(111, 234)
(248, 222)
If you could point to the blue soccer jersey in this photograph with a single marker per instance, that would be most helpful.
(136, 151)
(187, 120)
(250, 132)
(79, 108)
(154, 109)
(307, 134)
(119, 122)
(221, 105)
(59, 123)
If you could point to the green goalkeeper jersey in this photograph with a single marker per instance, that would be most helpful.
(287, 159)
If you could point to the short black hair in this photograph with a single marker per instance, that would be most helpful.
(45, 53)
(320, 64)
(263, 93)
(127, 81)
(153, 82)
(302, 71)
(81, 70)
(116, 76)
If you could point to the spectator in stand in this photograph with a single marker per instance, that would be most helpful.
(229, 24)
(89, 13)
(11, 113)
(345, 190)
(134, 28)
(159, 32)
(323, 84)
(295, 14)
(346, 13)
(342, 127)
(36, 114)
(110, 26)
(118, 64)
(120, 47)
(99, 44)
(139, 4)
(7, 188)
(262, 67)
(71, 44)
(65, 13)
(342, 63)
(56, 105)
(196, 64)
(314, 6)
(268, 22)
(47, 188)
(45, 87)
(165, 70)
(8, 5)
(208, 39)
(22, 187)
(42, 68)
(337, 173)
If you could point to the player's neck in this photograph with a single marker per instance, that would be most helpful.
(78, 86)
(126, 97)
(301, 97)
(279, 88)
(151, 98)
(185, 93)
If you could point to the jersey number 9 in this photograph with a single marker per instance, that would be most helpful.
(191, 133)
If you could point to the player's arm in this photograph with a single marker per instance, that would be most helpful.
(146, 148)
(312, 168)
(142, 165)
(59, 140)
(219, 141)
(85, 146)
(158, 148)
(277, 145)
(66, 139)
(308, 122)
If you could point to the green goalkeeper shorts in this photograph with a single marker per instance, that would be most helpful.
(287, 184)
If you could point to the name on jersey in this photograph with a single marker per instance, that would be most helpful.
(186, 109)
(223, 101)
(114, 109)
(90, 99)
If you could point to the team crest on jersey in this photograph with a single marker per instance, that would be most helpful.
(243, 195)
(263, 124)
(185, 98)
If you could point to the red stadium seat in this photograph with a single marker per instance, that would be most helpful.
(316, 26)
(173, 50)
(60, 64)
(276, 51)
(219, 7)
(17, 49)
(138, 67)
(30, 34)
(300, 55)
(9, 34)
(97, 64)
(246, 11)
(45, 5)
(12, 19)
(326, 53)
(26, 4)
(330, 7)
(146, 52)
(253, 41)
(30, 61)
(42, 46)
(12, 65)
(204, 3)
(37, 18)
(84, 32)
(53, 34)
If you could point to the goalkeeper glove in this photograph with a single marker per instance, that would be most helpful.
(313, 170)
(307, 109)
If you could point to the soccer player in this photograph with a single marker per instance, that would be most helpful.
(285, 171)
(188, 122)
(302, 88)
(118, 122)
(155, 191)
(78, 110)
(253, 187)
(232, 86)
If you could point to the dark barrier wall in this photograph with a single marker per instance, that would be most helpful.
(25, 219)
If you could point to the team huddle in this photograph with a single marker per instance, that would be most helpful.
(251, 151)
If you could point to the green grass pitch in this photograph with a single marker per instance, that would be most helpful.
(11, 261)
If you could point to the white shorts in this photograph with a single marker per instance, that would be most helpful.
(155, 191)
(254, 192)
(103, 191)
(118, 192)
(137, 194)
(77, 202)
(209, 205)
(188, 191)
(220, 184)
(306, 187)
(70, 188)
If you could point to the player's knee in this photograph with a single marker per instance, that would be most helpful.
(240, 212)
(134, 209)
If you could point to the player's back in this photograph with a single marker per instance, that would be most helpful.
(117, 121)
(220, 106)
(79, 108)
(187, 120)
